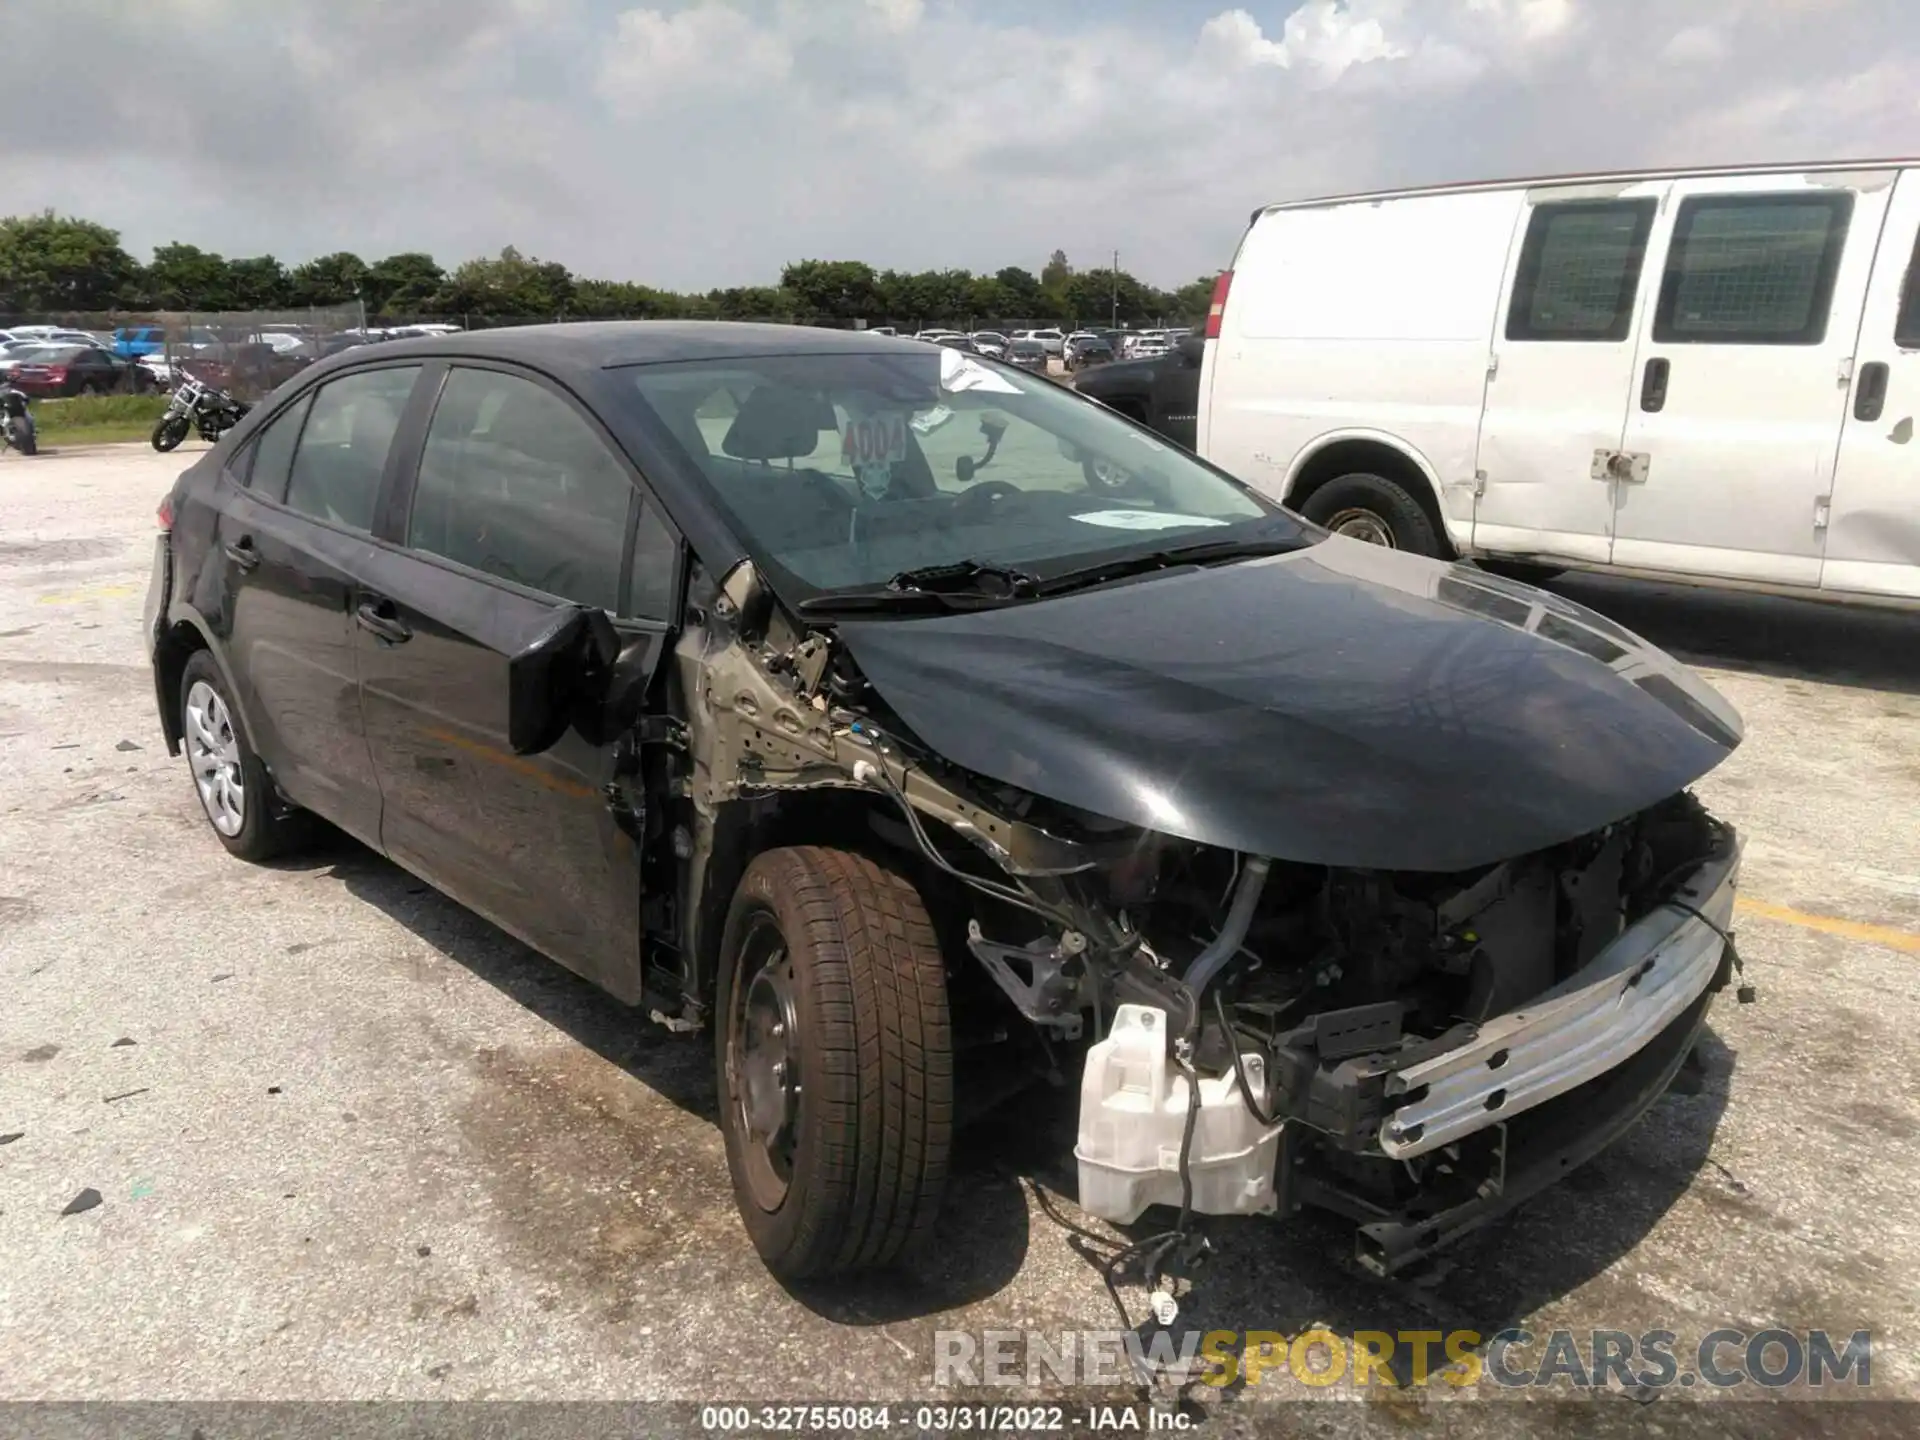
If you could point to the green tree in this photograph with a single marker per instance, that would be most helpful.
(510, 285)
(328, 280)
(1055, 274)
(258, 283)
(185, 277)
(833, 289)
(404, 284)
(1192, 300)
(53, 262)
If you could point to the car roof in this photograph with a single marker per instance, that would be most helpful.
(610, 344)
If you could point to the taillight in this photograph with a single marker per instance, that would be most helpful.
(1217, 307)
(57, 374)
(165, 513)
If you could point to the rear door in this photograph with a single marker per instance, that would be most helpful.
(1561, 370)
(1873, 536)
(518, 506)
(290, 545)
(1743, 374)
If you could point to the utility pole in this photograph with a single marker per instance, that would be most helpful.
(1116, 289)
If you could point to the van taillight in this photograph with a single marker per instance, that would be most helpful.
(165, 513)
(1218, 306)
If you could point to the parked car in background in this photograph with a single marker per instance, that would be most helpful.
(1028, 353)
(991, 342)
(60, 370)
(1053, 341)
(958, 342)
(1161, 392)
(1146, 345)
(134, 341)
(248, 370)
(1086, 349)
(1698, 375)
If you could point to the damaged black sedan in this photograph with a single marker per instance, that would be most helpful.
(919, 728)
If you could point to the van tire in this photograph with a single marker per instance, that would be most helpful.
(1369, 506)
(848, 953)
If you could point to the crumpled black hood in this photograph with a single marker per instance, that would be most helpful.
(1342, 705)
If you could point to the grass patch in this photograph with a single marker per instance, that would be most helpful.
(97, 419)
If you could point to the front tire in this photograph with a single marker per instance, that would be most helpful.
(1374, 509)
(168, 432)
(235, 792)
(835, 1062)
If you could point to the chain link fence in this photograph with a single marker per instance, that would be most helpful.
(247, 352)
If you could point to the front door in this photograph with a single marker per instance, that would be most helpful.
(1873, 536)
(1742, 374)
(1561, 370)
(518, 507)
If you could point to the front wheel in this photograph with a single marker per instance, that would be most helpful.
(169, 432)
(835, 1061)
(1374, 509)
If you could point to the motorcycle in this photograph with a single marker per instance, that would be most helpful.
(16, 421)
(194, 405)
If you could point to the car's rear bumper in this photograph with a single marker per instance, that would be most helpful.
(153, 629)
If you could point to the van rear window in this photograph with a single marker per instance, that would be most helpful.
(1579, 270)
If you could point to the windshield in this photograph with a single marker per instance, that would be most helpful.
(844, 471)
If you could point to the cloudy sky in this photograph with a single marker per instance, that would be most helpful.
(699, 144)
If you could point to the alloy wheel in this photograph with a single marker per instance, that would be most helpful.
(213, 750)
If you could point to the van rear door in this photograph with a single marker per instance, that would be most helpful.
(1873, 537)
(1743, 373)
(1562, 367)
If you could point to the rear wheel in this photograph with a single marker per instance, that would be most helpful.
(1374, 509)
(835, 1061)
(234, 789)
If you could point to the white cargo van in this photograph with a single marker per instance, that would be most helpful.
(1700, 375)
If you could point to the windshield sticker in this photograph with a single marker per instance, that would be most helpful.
(877, 439)
(1144, 520)
(929, 421)
(959, 371)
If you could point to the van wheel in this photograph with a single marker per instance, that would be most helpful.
(835, 1061)
(1374, 509)
(234, 788)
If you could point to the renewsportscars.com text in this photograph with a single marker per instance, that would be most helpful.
(1515, 1358)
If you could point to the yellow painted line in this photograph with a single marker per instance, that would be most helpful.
(93, 592)
(1894, 939)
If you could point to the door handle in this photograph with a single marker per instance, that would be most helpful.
(379, 619)
(243, 553)
(1870, 391)
(1653, 386)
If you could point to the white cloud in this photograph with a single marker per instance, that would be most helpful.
(898, 15)
(1531, 21)
(1322, 33)
(654, 54)
(1695, 45)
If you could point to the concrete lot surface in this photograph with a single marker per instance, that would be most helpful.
(352, 1142)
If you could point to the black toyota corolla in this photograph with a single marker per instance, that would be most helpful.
(921, 727)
